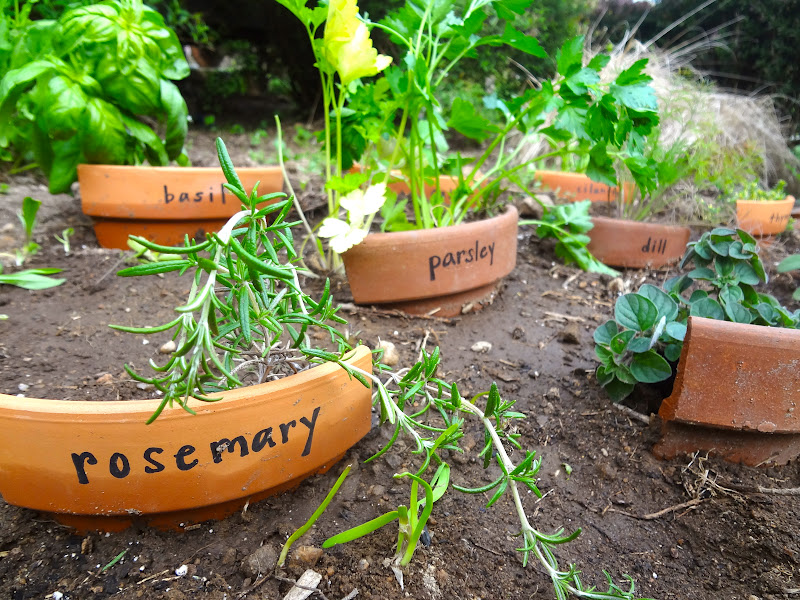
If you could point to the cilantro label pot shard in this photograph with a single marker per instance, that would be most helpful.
(163, 204)
(577, 186)
(764, 218)
(736, 394)
(98, 465)
(447, 268)
(623, 243)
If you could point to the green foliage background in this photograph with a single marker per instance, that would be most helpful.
(761, 53)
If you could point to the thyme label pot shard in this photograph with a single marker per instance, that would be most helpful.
(430, 265)
(100, 459)
(764, 218)
(623, 243)
(163, 204)
(737, 394)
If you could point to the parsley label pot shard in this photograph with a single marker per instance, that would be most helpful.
(447, 268)
(736, 394)
(577, 186)
(163, 204)
(623, 243)
(98, 465)
(764, 218)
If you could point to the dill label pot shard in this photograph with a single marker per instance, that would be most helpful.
(446, 269)
(100, 461)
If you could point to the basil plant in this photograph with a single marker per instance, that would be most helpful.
(91, 87)
(648, 329)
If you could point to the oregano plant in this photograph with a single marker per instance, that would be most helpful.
(648, 328)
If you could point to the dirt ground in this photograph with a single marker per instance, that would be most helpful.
(598, 472)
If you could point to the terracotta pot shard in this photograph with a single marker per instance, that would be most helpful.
(624, 243)
(577, 186)
(764, 218)
(163, 204)
(99, 465)
(737, 393)
(428, 269)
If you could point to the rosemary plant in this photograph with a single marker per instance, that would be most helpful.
(246, 321)
(246, 318)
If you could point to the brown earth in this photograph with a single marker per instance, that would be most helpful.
(598, 472)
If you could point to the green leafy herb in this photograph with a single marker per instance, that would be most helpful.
(649, 326)
(77, 90)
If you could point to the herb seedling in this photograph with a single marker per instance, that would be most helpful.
(64, 238)
(752, 190)
(569, 223)
(791, 263)
(29, 279)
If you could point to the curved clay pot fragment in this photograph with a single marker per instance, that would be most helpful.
(448, 269)
(764, 218)
(98, 465)
(623, 243)
(736, 394)
(577, 186)
(163, 204)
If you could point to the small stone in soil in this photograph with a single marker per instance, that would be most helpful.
(262, 560)
(307, 555)
(570, 334)
(481, 346)
(390, 355)
(105, 379)
(168, 348)
(363, 564)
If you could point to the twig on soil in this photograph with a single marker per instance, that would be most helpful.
(95, 286)
(632, 413)
(392, 312)
(764, 490)
(652, 516)
(559, 317)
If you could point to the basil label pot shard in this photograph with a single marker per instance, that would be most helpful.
(446, 268)
(101, 462)
(163, 204)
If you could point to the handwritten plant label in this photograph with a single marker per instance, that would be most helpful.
(185, 457)
(460, 256)
(655, 246)
(780, 218)
(173, 195)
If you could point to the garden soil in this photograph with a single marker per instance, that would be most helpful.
(694, 527)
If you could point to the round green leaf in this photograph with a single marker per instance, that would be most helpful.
(618, 390)
(635, 312)
(667, 307)
(708, 308)
(638, 345)
(790, 263)
(676, 330)
(604, 333)
(650, 367)
(672, 352)
(738, 314)
(620, 341)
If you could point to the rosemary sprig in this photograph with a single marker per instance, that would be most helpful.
(246, 318)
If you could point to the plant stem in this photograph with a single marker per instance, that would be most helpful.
(313, 518)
